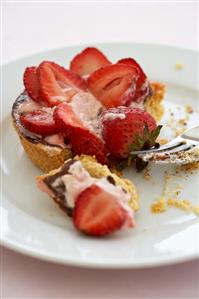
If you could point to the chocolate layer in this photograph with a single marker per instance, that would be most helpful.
(59, 190)
(32, 137)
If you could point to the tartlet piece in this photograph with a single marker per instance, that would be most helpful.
(96, 170)
(99, 201)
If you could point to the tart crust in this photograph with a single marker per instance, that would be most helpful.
(45, 157)
(48, 157)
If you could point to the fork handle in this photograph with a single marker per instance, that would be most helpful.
(192, 134)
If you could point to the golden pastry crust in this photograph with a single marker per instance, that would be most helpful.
(154, 105)
(98, 170)
(43, 156)
(51, 157)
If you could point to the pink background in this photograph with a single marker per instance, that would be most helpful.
(32, 27)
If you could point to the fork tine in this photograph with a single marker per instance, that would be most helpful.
(174, 150)
(175, 156)
(162, 149)
(181, 147)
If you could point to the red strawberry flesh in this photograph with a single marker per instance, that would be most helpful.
(58, 84)
(88, 61)
(142, 84)
(121, 126)
(31, 83)
(109, 84)
(97, 212)
(65, 119)
(84, 141)
(39, 122)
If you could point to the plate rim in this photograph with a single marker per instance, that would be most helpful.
(174, 47)
(127, 264)
(95, 263)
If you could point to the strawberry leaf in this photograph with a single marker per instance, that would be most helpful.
(147, 140)
(155, 133)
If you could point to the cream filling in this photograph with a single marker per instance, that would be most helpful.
(113, 116)
(78, 179)
(140, 102)
(88, 109)
(56, 139)
(29, 106)
(84, 105)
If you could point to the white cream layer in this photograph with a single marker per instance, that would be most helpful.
(78, 179)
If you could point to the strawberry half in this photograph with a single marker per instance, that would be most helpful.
(31, 83)
(58, 84)
(39, 122)
(65, 119)
(88, 61)
(142, 84)
(98, 213)
(110, 84)
(125, 129)
(84, 141)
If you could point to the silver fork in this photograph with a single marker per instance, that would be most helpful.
(183, 149)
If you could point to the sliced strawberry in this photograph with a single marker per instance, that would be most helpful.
(88, 61)
(65, 118)
(58, 84)
(31, 83)
(142, 84)
(109, 84)
(84, 141)
(40, 122)
(97, 212)
(132, 62)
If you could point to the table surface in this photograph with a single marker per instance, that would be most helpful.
(29, 27)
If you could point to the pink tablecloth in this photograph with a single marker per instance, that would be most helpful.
(25, 277)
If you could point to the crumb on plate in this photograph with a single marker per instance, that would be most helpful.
(183, 121)
(185, 205)
(146, 174)
(162, 141)
(178, 66)
(188, 109)
(169, 198)
(159, 206)
(190, 167)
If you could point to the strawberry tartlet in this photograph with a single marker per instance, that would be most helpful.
(66, 112)
(98, 201)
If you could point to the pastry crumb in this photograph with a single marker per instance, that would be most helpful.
(188, 109)
(196, 210)
(184, 204)
(178, 66)
(162, 141)
(182, 122)
(190, 167)
(146, 174)
(169, 197)
(158, 206)
(178, 126)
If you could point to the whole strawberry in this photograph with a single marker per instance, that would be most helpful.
(125, 129)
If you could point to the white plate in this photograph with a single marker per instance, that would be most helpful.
(32, 224)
